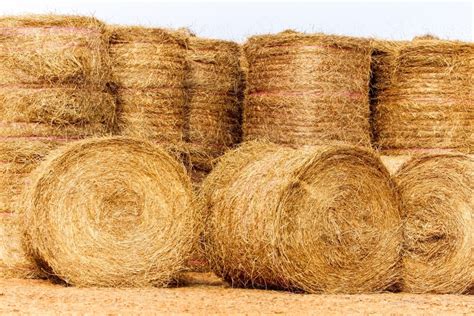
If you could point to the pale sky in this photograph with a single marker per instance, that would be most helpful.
(237, 20)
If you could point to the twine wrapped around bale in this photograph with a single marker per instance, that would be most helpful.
(428, 102)
(149, 67)
(438, 206)
(110, 212)
(55, 70)
(214, 86)
(324, 219)
(307, 89)
(13, 262)
(53, 48)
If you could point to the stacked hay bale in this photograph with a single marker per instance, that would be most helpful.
(13, 262)
(112, 212)
(438, 207)
(54, 72)
(428, 101)
(307, 89)
(384, 56)
(149, 67)
(314, 219)
(214, 86)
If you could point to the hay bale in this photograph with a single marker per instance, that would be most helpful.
(384, 55)
(56, 105)
(13, 262)
(59, 49)
(214, 86)
(307, 89)
(55, 70)
(323, 219)
(17, 160)
(109, 212)
(149, 68)
(438, 206)
(428, 103)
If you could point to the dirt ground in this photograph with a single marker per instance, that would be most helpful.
(206, 294)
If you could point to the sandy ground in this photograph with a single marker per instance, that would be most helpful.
(206, 294)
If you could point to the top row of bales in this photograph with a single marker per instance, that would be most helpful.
(423, 95)
(306, 89)
(178, 90)
(60, 78)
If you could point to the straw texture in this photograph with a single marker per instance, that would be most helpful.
(17, 160)
(13, 262)
(149, 67)
(323, 219)
(438, 206)
(307, 89)
(214, 86)
(428, 102)
(110, 212)
(55, 70)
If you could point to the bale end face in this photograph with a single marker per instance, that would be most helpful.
(438, 208)
(110, 212)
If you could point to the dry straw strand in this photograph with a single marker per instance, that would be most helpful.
(109, 212)
(149, 67)
(438, 206)
(323, 219)
(307, 89)
(428, 101)
(214, 86)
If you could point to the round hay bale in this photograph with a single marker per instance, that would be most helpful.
(214, 86)
(428, 103)
(438, 207)
(307, 89)
(55, 49)
(13, 261)
(323, 219)
(110, 212)
(18, 158)
(149, 67)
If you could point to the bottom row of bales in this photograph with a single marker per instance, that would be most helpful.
(120, 212)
